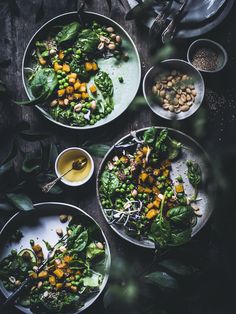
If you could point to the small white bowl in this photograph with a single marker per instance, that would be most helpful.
(80, 152)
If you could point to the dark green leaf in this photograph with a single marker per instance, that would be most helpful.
(162, 280)
(33, 136)
(180, 214)
(161, 141)
(160, 231)
(20, 201)
(180, 237)
(44, 178)
(109, 182)
(149, 135)
(5, 168)
(176, 267)
(53, 153)
(174, 149)
(68, 33)
(194, 173)
(98, 150)
(104, 83)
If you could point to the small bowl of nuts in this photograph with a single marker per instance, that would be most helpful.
(173, 89)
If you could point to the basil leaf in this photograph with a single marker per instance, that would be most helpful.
(162, 280)
(109, 182)
(20, 201)
(68, 33)
(98, 150)
(180, 214)
(149, 135)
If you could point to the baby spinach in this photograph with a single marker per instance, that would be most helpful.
(88, 41)
(68, 33)
(109, 182)
(174, 149)
(194, 176)
(180, 214)
(149, 135)
(42, 86)
(180, 237)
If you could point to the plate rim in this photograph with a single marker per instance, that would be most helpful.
(101, 166)
(47, 115)
(109, 258)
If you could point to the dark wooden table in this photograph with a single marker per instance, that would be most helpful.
(213, 125)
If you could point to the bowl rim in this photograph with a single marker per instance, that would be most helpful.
(101, 167)
(198, 42)
(109, 259)
(78, 183)
(47, 115)
(169, 61)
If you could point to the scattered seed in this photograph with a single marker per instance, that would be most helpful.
(63, 218)
(59, 231)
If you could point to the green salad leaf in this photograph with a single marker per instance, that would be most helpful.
(93, 251)
(109, 182)
(194, 176)
(149, 135)
(88, 41)
(180, 214)
(68, 33)
(105, 84)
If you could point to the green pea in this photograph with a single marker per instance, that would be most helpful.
(98, 117)
(59, 76)
(163, 178)
(131, 186)
(124, 185)
(122, 190)
(109, 110)
(159, 179)
(169, 188)
(61, 87)
(84, 110)
(66, 84)
(92, 122)
(70, 49)
(59, 72)
(63, 73)
(73, 103)
(65, 52)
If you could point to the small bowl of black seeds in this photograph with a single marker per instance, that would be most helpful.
(207, 55)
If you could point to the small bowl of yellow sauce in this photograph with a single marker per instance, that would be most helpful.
(65, 161)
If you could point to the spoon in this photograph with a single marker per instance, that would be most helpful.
(76, 165)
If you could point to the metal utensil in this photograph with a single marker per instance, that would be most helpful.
(159, 22)
(80, 10)
(25, 283)
(169, 32)
(76, 165)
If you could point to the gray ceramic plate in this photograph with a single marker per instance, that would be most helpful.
(40, 224)
(130, 71)
(192, 151)
(215, 13)
(185, 68)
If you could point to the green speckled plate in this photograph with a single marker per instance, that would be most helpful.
(124, 93)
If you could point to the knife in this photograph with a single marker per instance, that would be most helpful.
(169, 32)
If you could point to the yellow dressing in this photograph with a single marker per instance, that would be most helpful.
(65, 163)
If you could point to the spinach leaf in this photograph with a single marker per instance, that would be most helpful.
(180, 214)
(88, 41)
(98, 150)
(180, 237)
(109, 182)
(42, 86)
(104, 83)
(176, 267)
(194, 176)
(160, 228)
(160, 231)
(81, 241)
(68, 33)
(149, 135)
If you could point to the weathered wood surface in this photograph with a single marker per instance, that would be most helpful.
(217, 117)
